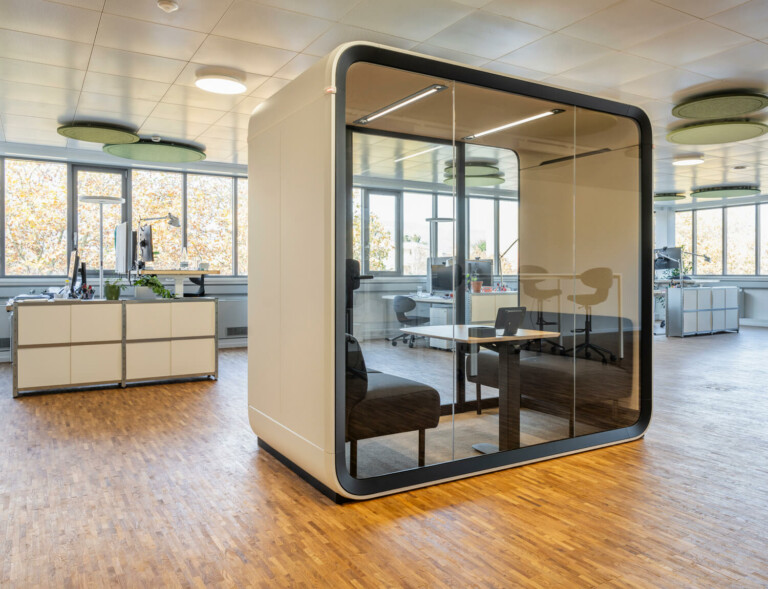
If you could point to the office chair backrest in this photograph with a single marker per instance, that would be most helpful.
(529, 283)
(600, 279)
(356, 373)
(402, 305)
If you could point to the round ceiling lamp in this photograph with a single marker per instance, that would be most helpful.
(726, 191)
(220, 80)
(477, 172)
(688, 160)
(168, 6)
(719, 106)
(717, 132)
(156, 151)
(98, 133)
(665, 196)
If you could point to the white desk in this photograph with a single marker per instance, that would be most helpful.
(432, 299)
(178, 277)
(509, 374)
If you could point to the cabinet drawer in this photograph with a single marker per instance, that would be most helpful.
(97, 322)
(718, 320)
(718, 298)
(483, 308)
(193, 319)
(704, 321)
(147, 360)
(147, 320)
(731, 319)
(731, 297)
(43, 367)
(193, 356)
(689, 323)
(690, 300)
(705, 298)
(97, 363)
(43, 324)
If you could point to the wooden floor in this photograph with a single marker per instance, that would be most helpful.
(164, 486)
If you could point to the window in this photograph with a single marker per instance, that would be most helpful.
(709, 241)
(209, 221)
(684, 238)
(88, 234)
(445, 229)
(155, 194)
(35, 218)
(417, 207)
(242, 226)
(740, 246)
(357, 224)
(508, 234)
(482, 240)
(764, 239)
(382, 232)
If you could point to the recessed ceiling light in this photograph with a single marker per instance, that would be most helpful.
(554, 111)
(150, 151)
(725, 191)
(220, 80)
(717, 132)
(688, 160)
(428, 91)
(663, 196)
(719, 106)
(168, 5)
(98, 133)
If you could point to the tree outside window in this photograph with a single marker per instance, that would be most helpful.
(242, 226)
(209, 226)
(155, 194)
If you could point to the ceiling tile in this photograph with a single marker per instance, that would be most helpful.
(171, 129)
(577, 85)
(191, 96)
(690, 42)
(120, 105)
(615, 69)
(269, 87)
(34, 123)
(747, 61)
(702, 8)
(192, 114)
(196, 15)
(221, 133)
(49, 19)
(555, 54)
(750, 18)
(248, 57)
(26, 47)
(296, 66)
(550, 14)
(339, 34)
(2, 133)
(627, 23)
(328, 9)
(248, 105)
(32, 130)
(474, 3)
(665, 83)
(124, 86)
(450, 54)
(74, 144)
(122, 117)
(234, 120)
(406, 18)
(188, 76)
(13, 70)
(487, 35)
(136, 65)
(62, 113)
(145, 37)
(515, 71)
(90, 4)
(39, 94)
(658, 111)
(249, 21)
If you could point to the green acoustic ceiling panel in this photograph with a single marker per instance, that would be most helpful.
(663, 196)
(725, 191)
(98, 133)
(721, 106)
(161, 151)
(717, 132)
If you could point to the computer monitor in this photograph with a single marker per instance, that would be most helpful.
(667, 258)
(509, 319)
(145, 243)
(441, 278)
(483, 269)
(74, 263)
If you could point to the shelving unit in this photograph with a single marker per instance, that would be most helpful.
(702, 311)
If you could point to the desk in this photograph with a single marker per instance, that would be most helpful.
(432, 299)
(178, 277)
(509, 374)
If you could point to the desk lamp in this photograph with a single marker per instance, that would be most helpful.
(101, 201)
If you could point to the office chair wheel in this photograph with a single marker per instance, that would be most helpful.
(553, 350)
(605, 361)
(394, 343)
(587, 355)
(613, 358)
(410, 344)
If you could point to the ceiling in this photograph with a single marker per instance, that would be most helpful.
(126, 61)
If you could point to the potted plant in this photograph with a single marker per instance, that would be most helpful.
(145, 284)
(476, 283)
(112, 289)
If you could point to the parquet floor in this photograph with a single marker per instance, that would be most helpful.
(164, 486)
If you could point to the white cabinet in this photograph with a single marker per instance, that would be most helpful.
(704, 310)
(69, 343)
(483, 307)
(97, 363)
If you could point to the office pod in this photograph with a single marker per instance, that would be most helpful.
(517, 218)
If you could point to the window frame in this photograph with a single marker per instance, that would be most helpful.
(127, 207)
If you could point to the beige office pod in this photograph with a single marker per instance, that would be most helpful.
(449, 272)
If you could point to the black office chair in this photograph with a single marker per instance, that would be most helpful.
(601, 280)
(402, 305)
